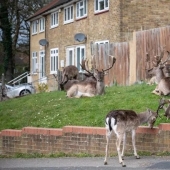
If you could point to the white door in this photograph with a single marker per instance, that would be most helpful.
(70, 56)
(41, 64)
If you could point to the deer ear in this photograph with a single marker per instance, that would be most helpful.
(153, 118)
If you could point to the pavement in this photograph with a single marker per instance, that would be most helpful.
(86, 163)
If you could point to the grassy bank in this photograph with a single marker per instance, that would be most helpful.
(54, 110)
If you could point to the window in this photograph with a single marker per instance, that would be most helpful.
(102, 42)
(80, 54)
(41, 24)
(81, 8)
(42, 64)
(34, 27)
(106, 45)
(70, 56)
(34, 62)
(54, 60)
(101, 5)
(54, 19)
(68, 14)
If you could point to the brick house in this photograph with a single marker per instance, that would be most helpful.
(100, 21)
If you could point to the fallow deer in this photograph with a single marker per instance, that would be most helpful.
(156, 60)
(91, 86)
(163, 87)
(69, 72)
(166, 108)
(122, 121)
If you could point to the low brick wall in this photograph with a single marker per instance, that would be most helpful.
(79, 139)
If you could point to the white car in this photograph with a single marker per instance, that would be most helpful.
(19, 90)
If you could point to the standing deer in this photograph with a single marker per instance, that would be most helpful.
(166, 109)
(69, 72)
(163, 86)
(122, 121)
(91, 86)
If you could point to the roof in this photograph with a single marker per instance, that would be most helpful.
(48, 7)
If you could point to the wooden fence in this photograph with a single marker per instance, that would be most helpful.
(147, 41)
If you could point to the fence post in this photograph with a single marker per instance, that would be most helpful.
(59, 74)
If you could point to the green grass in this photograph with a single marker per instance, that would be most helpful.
(54, 110)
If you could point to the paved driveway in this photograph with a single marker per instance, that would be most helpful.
(145, 163)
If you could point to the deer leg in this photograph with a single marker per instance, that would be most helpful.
(124, 143)
(134, 145)
(118, 143)
(108, 136)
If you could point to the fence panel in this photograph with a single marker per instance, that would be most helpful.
(102, 60)
(151, 42)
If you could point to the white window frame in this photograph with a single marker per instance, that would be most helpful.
(102, 42)
(34, 62)
(81, 6)
(97, 5)
(68, 51)
(41, 24)
(34, 27)
(54, 60)
(54, 19)
(41, 64)
(78, 61)
(68, 14)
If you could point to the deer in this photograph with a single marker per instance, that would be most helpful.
(93, 85)
(69, 72)
(155, 62)
(122, 121)
(162, 103)
(163, 87)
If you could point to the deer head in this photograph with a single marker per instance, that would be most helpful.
(157, 70)
(70, 72)
(98, 74)
(162, 103)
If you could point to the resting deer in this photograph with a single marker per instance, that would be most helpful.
(166, 109)
(122, 121)
(155, 62)
(69, 72)
(91, 86)
(163, 86)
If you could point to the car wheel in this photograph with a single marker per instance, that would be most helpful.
(24, 92)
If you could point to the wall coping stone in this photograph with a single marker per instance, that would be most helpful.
(78, 130)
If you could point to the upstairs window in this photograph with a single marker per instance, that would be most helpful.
(54, 19)
(42, 24)
(68, 14)
(54, 60)
(34, 27)
(81, 9)
(101, 5)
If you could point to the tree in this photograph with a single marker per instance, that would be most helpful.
(14, 30)
(6, 28)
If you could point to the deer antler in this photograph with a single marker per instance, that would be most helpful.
(162, 102)
(83, 65)
(167, 57)
(114, 60)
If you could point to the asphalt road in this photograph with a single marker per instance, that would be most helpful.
(145, 163)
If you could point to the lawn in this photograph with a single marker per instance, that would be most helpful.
(55, 110)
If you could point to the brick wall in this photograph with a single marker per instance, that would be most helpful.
(145, 14)
(79, 139)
